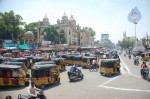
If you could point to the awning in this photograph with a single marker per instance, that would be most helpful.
(23, 46)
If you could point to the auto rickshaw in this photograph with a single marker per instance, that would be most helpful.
(87, 61)
(145, 56)
(109, 67)
(24, 60)
(69, 59)
(43, 75)
(1, 60)
(27, 73)
(60, 62)
(78, 60)
(12, 75)
(44, 62)
(37, 59)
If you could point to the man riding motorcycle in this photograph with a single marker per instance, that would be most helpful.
(74, 73)
(136, 60)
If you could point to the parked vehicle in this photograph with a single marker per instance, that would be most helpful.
(87, 61)
(46, 74)
(145, 56)
(12, 75)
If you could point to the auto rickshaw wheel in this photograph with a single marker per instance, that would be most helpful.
(42, 86)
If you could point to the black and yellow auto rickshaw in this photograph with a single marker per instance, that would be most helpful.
(145, 56)
(44, 62)
(69, 59)
(60, 62)
(27, 73)
(24, 60)
(109, 67)
(43, 75)
(78, 60)
(87, 61)
(12, 75)
(37, 59)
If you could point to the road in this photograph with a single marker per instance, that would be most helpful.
(127, 85)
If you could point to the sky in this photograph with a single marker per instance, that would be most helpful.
(103, 16)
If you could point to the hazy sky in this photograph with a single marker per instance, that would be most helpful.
(104, 16)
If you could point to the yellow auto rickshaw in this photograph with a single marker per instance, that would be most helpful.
(145, 56)
(87, 61)
(109, 67)
(27, 73)
(12, 75)
(78, 60)
(60, 62)
(69, 59)
(24, 60)
(43, 75)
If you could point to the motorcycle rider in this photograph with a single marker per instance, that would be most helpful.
(136, 59)
(32, 91)
(144, 65)
(74, 69)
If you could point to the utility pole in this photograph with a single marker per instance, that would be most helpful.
(147, 40)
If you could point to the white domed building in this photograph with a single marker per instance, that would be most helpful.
(28, 37)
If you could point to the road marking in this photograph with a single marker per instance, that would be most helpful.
(126, 89)
(125, 66)
(128, 71)
(108, 81)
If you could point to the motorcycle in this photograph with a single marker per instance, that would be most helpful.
(136, 62)
(77, 75)
(146, 74)
(129, 56)
(40, 95)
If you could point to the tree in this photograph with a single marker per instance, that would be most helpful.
(126, 42)
(10, 25)
(53, 35)
(88, 29)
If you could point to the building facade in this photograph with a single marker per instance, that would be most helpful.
(75, 36)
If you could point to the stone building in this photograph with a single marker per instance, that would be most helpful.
(73, 32)
(75, 36)
(41, 26)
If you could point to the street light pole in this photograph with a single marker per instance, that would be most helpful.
(134, 17)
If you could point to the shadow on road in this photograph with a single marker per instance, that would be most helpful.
(11, 88)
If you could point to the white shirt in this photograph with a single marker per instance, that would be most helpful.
(32, 91)
(15, 73)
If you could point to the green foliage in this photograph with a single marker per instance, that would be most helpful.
(88, 29)
(126, 43)
(53, 35)
(10, 25)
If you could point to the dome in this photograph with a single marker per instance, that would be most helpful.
(72, 18)
(29, 35)
(64, 17)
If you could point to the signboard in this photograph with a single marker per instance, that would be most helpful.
(46, 43)
(104, 36)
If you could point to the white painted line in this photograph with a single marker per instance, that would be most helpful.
(129, 72)
(126, 89)
(108, 81)
(125, 66)
(134, 75)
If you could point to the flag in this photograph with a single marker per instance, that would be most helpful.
(134, 15)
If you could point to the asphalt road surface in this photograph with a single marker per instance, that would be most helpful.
(128, 85)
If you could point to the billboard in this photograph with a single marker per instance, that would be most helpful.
(104, 36)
